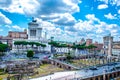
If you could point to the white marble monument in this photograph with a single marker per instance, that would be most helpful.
(34, 30)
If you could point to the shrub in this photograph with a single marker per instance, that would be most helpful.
(30, 53)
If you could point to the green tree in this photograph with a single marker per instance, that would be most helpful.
(53, 45)
(43, 46)
(32, 44)
(38, 45)
(30, 53)
(0, 42)
(17, 44)
(25, 43)
(3, 48)
(68, 57)
(83, 44)
(91, 47)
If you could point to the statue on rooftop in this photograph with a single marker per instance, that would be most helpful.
(34, 20)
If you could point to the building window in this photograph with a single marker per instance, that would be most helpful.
(32, 32)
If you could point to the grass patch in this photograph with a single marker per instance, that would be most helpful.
(2, 76)
(1, 70)
(46, 69)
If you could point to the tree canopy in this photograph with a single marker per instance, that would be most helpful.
(68, 56)
(29, 43)
(30, 53)
(3, 47)
(91, 46)
(78, 46)
(57, 44)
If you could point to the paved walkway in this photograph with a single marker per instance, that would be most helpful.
(82, 74)
(58, 76)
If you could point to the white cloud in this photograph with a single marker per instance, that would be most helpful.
(39, 7)
(110, 16)
(19, 6)
(14, 7)
(5, 3)
(91, 17)
(8, 26)
(45, 24)
(112, 2)
(102, 6)
(72, 4)
(84, 26)
(99, 31)
(58, 6)
(118, 2)
(30, 7)
(92, 28)
(18, 28)
(118, 11)
(4, 20)
(45, 9)
(60, 12)
(115, 2)
(53, 30)
(49, 28)
(106, 1)
(65, 19)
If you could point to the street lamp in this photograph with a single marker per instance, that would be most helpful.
(104, 72)
(51, 75)
(50, 78)
(75, 75)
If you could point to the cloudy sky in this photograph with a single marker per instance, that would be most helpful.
(67, 20)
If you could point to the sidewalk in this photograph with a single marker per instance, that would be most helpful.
(58, 76)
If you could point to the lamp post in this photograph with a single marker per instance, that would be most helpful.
(75, 75)
(51, 75)
(50, 78)
(93, 74)
(104, 72)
